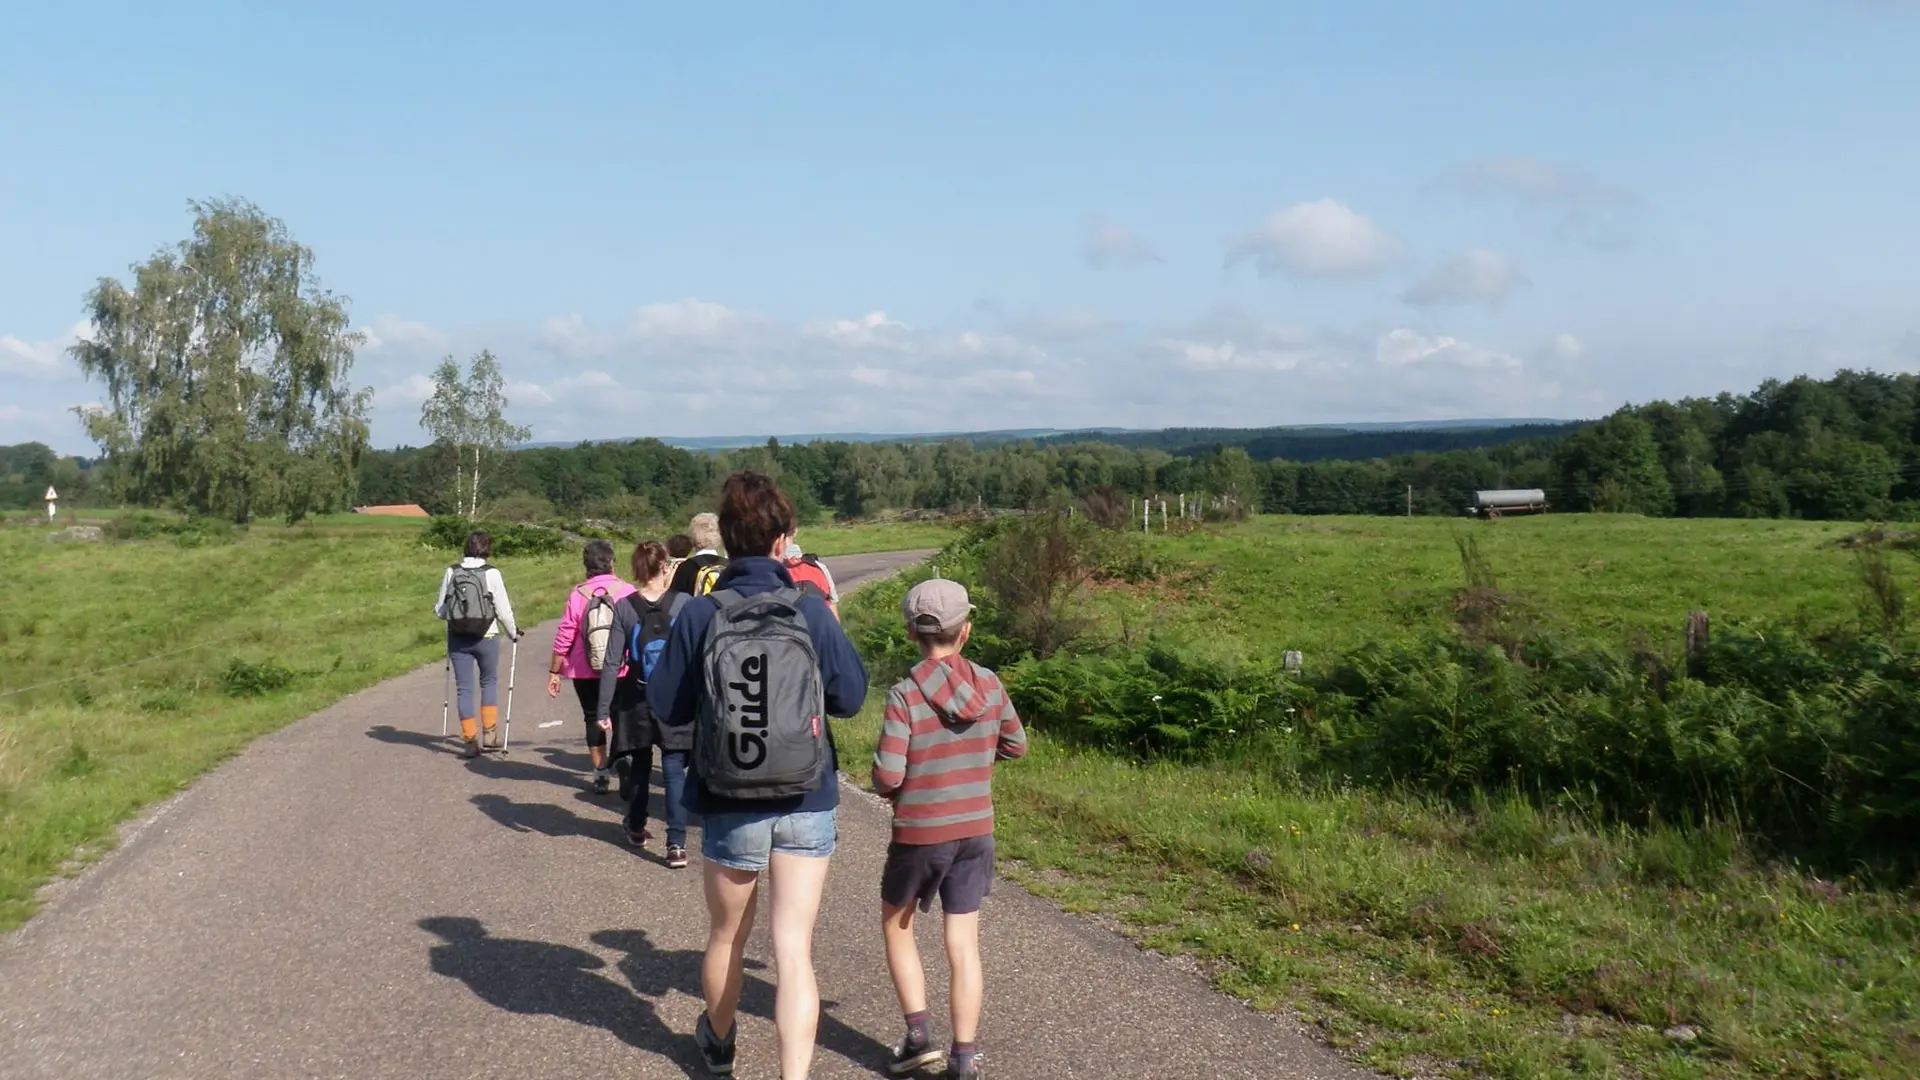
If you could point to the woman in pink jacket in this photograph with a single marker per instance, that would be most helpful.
(581, 643)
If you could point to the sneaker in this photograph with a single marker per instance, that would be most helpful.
(492, 739)
(469, 748)
(637, 838)
(908, 1058)
(970, 1071)
(717, 1055)
(676, 858)
(600, 783)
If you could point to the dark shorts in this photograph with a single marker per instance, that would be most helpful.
(588, 691)
(959, 872)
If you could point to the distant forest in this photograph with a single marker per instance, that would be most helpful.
(1846, 447)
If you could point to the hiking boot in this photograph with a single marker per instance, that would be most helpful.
(469, 748)
(717, 1055)
(491, 739)
(971, 1070)
(600, 783)
(676, 858)
(908, 1057)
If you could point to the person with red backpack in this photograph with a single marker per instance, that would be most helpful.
(580, 647)
(640, 625)
(808, 572)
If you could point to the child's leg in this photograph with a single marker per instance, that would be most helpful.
(903, 958)
(969, 984)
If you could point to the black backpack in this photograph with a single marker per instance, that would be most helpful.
(469, 604)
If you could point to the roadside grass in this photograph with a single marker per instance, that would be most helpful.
(129, 668)
(1506, 942)
(1325, 585)
(1491, 939)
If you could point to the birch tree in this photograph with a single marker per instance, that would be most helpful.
(226, 372)
(468, 417)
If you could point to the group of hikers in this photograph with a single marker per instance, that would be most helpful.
(725, 651)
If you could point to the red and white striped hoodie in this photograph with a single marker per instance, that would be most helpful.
(946, 724)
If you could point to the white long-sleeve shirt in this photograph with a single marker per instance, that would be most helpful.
(496, 588)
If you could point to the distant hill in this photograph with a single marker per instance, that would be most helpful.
(1301, 442)
(1345, 442)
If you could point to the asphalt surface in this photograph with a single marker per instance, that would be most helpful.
(348, 898)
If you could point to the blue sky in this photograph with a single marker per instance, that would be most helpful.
(735, 218)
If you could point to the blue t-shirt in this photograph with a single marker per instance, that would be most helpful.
(676, 685)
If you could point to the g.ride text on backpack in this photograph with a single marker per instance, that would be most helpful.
(761, 732)
(470, 610)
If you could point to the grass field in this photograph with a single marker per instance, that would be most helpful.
(127, 669)
(1328, 584)
(1500, 939)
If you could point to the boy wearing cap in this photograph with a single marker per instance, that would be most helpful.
(946, 724)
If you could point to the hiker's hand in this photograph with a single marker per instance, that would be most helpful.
(553, 686)
(606, 725)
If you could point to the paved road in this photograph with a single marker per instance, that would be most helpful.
(350, 899)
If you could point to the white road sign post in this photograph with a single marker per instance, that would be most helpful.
(53, 503)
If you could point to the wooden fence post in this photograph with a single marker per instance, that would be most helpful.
(1696, 643)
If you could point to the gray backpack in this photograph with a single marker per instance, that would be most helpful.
(469, 604)
(762, 729)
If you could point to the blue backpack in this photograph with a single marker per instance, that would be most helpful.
(648, 639)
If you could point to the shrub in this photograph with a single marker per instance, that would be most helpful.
(1035, 567)
(509, 540)
(243, 679)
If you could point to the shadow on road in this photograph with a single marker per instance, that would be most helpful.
(535, 978)
(548, 819)
(538, 978)
(562, 768)
(653, 972)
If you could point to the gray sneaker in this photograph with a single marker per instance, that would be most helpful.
(492, 738)
(469, 748)
(971, 1070)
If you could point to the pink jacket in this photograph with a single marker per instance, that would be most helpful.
(569, 641)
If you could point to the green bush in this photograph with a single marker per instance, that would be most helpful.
(509, 540)
(244, 679)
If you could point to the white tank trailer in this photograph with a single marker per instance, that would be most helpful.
(1492, 504)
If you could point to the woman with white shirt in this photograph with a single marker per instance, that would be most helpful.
(473, 603)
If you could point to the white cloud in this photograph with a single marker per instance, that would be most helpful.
(1585, 210)
(569, 337)
(12, 414)
(1403, 348)
(1321, 239)
(1106, 242)
(870, 331)
(390, 332)
(683, 319)
(1487, 277)
(1566, 348)
(412, 391)
(42, 359)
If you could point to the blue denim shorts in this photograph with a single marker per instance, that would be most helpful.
(746, 841)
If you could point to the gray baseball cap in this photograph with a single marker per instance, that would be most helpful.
(936, 607)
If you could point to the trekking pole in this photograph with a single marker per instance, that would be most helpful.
(446, 694)
(513, 668)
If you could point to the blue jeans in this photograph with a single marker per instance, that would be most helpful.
(746, 841)
(474, 656)
(673, 776)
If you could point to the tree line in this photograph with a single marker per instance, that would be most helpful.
(1837, 448)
